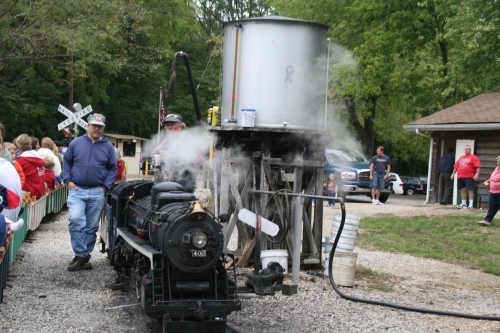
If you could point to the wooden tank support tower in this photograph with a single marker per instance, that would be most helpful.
(254, 164)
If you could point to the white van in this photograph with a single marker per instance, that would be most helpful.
(397, 184)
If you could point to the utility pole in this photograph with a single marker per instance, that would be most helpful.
(72, 128)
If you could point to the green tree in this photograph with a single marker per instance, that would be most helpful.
(94, 44)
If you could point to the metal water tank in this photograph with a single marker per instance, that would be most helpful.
(274, 73)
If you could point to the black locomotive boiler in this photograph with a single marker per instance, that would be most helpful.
(172, 250)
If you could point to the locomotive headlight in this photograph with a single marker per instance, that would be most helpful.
(200, 239)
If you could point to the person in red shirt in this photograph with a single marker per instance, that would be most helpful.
(33, 167)
(467, 168)
(50, 177)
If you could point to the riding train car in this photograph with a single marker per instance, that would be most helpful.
(162, 241)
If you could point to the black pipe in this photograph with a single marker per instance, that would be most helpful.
(171, 86)
(391, 305)
(369, 301)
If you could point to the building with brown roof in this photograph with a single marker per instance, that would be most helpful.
(475, 122)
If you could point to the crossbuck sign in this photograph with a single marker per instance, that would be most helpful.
(73, 117)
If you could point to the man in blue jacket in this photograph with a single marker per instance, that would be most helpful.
(89, 170)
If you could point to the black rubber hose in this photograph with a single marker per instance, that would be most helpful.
(285, 222)
(391, 305)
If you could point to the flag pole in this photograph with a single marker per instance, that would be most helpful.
(160, 116)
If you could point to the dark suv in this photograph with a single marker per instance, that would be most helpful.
(352, 173)
(411, 185)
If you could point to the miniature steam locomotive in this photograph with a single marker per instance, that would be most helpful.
(172, 251)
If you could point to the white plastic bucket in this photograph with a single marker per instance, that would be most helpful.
(343, 268)
(280, 256)
(248, 117)
(347, 227)
(345, 233)
(343, 245)
(349, 219)
(157, 160)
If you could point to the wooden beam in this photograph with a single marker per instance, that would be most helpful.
(318, 209)
(294, 163)
(249, 246)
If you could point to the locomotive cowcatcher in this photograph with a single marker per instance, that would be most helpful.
(171, 249)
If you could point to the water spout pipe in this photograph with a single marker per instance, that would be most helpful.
(233, 96)
(171, 86)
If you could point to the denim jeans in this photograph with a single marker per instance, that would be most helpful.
(331, 202)
(494, 205)
(85, 206)
(378, 180)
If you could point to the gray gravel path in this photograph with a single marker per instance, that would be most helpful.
(45, 297)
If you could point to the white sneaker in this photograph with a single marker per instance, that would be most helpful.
(379, 203)
(461, 206)
(375, 202)
(471, 207)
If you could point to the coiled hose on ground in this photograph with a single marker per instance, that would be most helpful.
(391, 305)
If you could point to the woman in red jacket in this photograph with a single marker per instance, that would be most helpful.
(33, 167)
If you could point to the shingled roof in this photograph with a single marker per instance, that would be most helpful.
(478, 113)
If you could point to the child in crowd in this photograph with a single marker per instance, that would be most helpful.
(12, 149)
(50, 177)
(330, 186)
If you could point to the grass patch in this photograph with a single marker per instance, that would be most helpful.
(374, 280)
(452, 239)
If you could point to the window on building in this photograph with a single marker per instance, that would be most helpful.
(129, 148)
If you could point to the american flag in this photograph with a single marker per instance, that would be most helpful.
(162, 108)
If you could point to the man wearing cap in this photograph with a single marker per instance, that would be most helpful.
(60, 147)
(179, 161)
(89, 170)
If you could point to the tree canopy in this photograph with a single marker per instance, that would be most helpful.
(391, 61)
(397, 61)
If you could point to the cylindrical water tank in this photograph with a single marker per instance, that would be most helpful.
(276, 67)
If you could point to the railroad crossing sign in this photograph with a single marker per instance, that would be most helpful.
(73, 117)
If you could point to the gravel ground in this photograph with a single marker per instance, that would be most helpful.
(45, 297)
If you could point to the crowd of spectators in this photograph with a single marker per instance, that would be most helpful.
(37, 163)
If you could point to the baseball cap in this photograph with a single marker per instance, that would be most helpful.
(96, 119)
(173, 118)
(59, 143)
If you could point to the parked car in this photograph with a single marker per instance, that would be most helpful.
(412, 185)
(352, 173)
(397, 183)
(423, 180)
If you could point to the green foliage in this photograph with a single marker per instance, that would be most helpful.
(397, 61)
(392, 61)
